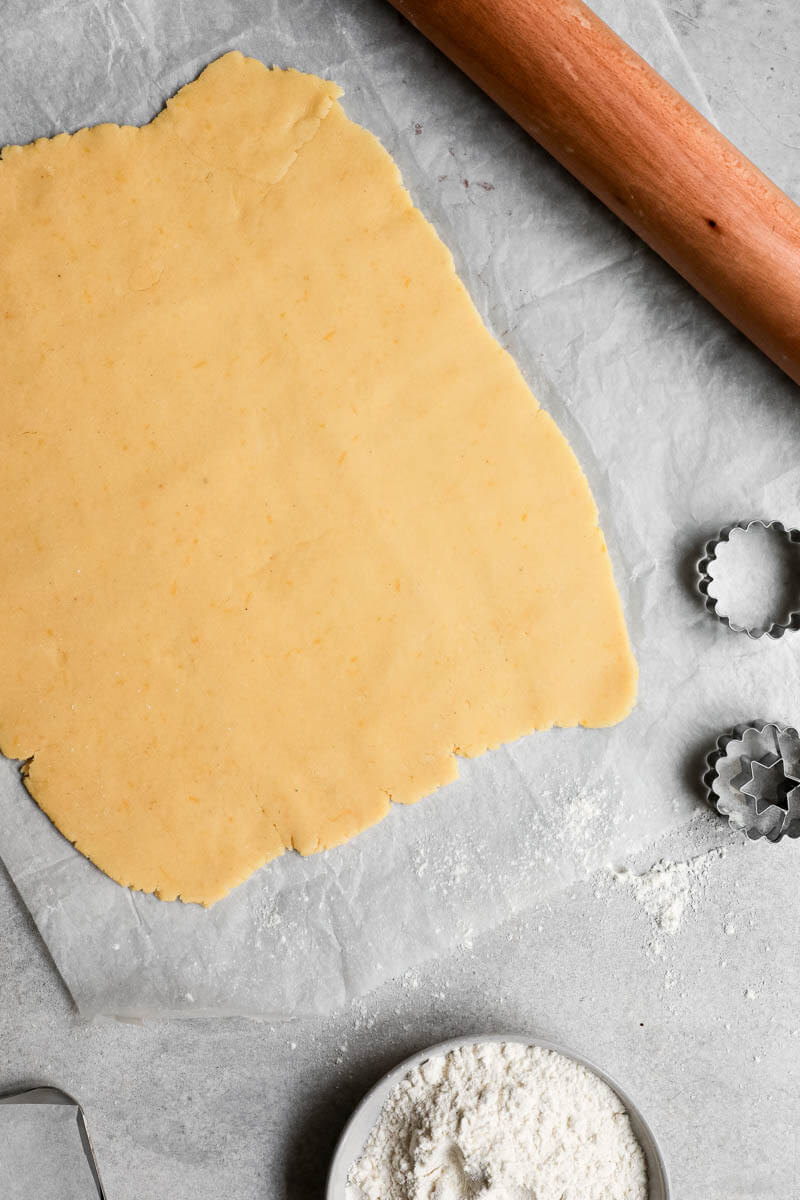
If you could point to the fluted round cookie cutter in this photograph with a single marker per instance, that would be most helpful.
(775, 629)
(753, 779)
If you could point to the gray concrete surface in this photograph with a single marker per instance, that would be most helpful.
(702, 1025)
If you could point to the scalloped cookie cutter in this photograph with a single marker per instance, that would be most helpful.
(776, 628)
(753, 779)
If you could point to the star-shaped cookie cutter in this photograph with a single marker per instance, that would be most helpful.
(768, 784)
(753, 778)
(774, 629)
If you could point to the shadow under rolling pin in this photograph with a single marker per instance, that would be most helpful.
(614, 123)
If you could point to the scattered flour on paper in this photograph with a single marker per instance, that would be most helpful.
(557, 842)
(669, 889)
(501, 1121)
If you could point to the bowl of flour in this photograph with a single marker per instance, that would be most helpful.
(499, 1117)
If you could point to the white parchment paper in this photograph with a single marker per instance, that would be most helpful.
(680, 425)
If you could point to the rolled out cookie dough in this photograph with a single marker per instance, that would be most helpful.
(283, 530)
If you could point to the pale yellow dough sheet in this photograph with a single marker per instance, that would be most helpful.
(283, 529)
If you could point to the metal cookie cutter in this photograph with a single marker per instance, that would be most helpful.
(774, 629)
(753, 778)
(51, 1095)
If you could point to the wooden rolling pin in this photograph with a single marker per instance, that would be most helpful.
(612, 121)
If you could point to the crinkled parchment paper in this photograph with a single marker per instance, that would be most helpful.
(679, 424)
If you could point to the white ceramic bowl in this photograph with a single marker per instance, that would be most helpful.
(360, 1125)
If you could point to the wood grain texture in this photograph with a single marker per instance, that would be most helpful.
(651, 157)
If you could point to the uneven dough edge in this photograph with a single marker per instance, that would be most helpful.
(304, 130)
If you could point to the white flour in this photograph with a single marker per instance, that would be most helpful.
(501, 1121)
(668, 889)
